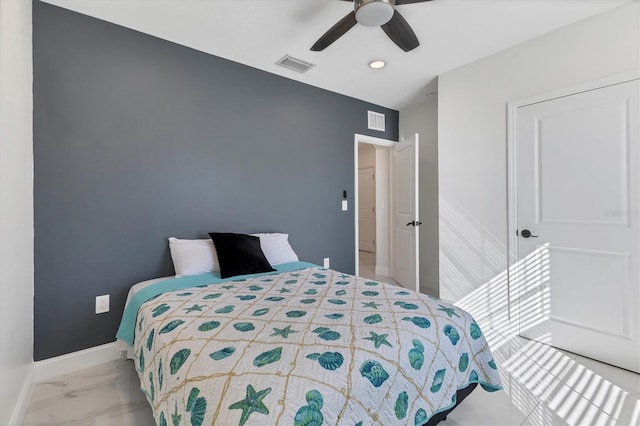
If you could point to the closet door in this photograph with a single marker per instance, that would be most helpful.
(578, 219)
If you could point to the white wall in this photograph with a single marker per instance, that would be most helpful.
(16, 209)
(423, 119)
(472, 141)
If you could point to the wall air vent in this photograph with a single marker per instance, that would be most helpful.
(376, 121)
(295, 64)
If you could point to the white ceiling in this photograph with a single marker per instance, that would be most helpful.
(259, 32)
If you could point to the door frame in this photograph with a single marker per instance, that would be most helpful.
(512, 172)
(359, 138)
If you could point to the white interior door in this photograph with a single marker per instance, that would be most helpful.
(366, 209)
(578, 190)
(405, 219)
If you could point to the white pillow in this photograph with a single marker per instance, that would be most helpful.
(193, 257)
(276, 248)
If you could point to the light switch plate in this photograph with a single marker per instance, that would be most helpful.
(344, 205)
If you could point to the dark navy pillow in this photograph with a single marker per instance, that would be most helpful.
(239, 254)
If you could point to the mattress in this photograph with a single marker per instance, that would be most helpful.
(303, 345)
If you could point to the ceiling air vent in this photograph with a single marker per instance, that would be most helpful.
(295, 64)
(376, 121)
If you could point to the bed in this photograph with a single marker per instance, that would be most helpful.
(300, 345)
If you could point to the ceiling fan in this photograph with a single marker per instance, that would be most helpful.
(373, 13)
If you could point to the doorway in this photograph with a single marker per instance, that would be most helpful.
(396, 211)
(386, 238)
(372, 204)
(373, 211)
(367, 210)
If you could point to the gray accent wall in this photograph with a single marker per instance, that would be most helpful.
(137, 139)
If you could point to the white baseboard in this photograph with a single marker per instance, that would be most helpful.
(20, 409)
(74, 361)
(382, 270)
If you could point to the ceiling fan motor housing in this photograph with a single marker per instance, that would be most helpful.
(374, 13)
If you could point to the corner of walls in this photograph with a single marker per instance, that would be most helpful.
(24, 397)
(16, 210)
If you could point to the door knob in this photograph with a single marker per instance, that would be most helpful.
(414, 223)
(525, 233)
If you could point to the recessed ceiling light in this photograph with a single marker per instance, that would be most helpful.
(377, 64)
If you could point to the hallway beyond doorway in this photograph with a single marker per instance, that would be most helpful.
(367, 269)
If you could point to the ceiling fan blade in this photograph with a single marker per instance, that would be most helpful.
(401, 2)
(400, 32)
(335, 32)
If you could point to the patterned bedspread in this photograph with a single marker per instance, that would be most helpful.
(306, 347)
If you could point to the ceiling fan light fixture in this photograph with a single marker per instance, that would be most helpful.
(373, 13)
(377, 64)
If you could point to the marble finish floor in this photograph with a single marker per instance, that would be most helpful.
(542, 386)
(105, 395)
(545, 386)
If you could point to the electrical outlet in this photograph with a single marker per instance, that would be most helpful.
(102, 304)
(326, 262)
